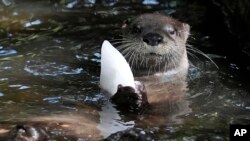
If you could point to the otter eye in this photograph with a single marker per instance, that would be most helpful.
(136, 29)
(170, 30)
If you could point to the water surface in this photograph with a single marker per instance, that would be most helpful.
(50, 54)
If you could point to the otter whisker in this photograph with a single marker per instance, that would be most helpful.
(146, 61)
(113, 41)
(117, 43)
(124, 47)
(203, 54)
(191, 64)
(133, 58)
(137, 59)
(192, 55)
(127, 52)
(142, 58)
(121, 42)
(148, 73)
(121, 39)
(127, 43)
(174, 61)
(168, 58)
(158, 60)
(165, 65)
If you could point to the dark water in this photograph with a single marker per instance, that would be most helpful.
(50, 52)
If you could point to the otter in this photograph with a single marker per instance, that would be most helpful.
(155, 47)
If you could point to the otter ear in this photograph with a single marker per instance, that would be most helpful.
(186, 30)
(126, 22)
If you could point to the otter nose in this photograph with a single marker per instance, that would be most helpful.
(152, 39)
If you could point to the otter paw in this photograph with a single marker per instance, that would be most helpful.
(129, 99)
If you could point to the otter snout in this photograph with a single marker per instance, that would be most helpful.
(152, 39)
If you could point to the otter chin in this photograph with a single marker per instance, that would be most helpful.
(154, 43)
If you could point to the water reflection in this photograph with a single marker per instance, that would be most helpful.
(35, 22)
(110, 2)
(89, 3)
(20, 87)
(53, 100)
(6, 52)
(71, 4)
(111, 122)
(3, 79)
(7, 2)
(77, 3)
(44, 68)
(150, 2)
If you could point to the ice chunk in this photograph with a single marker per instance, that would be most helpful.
(115, 69)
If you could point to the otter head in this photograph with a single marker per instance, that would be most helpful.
(154, 43)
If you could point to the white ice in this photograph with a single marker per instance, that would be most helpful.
(115, 69)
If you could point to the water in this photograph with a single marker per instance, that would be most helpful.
(50, 58)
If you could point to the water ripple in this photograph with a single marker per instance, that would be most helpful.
(41, 68)
(7, 52)
(1, 94)
(20, 87)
